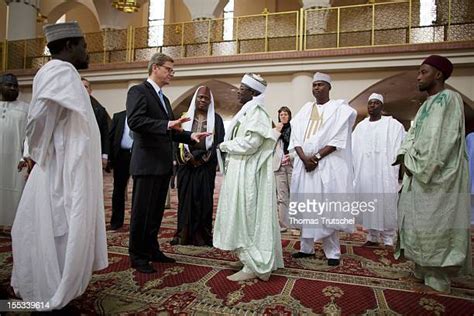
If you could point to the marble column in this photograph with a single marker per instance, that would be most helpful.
(21, 20)
(317, 23)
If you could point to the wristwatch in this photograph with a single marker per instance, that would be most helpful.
(318, 156)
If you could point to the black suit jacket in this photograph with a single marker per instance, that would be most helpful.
(115, 135)
(103, 120)
(152, 151)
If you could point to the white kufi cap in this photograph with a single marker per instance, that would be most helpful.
(255, 82)
(54, 32)
(376, 96)
(319, 76)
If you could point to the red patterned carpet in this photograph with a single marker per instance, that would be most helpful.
(366, 283)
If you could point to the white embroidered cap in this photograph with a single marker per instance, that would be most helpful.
(319, 76)
(376, 96)
(255, 82)
(54, 32)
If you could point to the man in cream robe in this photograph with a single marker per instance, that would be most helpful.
(434, 206)
(12, 131)
(322, 171)
(58, 237)
(375, 142)
(246, 221)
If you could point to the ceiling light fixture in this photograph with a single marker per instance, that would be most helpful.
(127, 6)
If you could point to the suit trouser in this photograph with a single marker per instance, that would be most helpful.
(121, 176)
(283, 181)
(331, 246)
(148, 204)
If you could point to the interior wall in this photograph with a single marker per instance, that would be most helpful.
(248, 7)
(3, 17)
(84, 17)
(345, 85)
(178, 12)
(287, 5)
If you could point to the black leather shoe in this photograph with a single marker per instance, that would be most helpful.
(300, 255)
(160, 257)
(174, 241)
(144, 268)
(333, 262)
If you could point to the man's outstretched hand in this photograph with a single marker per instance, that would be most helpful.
(176, 124)
(198, 136)
(27, 163)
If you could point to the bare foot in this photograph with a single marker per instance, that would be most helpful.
(241, 276)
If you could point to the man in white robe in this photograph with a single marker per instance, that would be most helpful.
(322, 170)
(375, 142)
(246, 221)
(12, 130)
(58, 237)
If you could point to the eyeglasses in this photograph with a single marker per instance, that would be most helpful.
(169, 69)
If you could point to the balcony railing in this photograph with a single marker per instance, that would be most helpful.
(375, 24)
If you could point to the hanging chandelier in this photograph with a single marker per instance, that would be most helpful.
(127, 6)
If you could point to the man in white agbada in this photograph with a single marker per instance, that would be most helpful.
(12, 131)
(375, 142)
(246, 220)
(58, 236)
(322, 170)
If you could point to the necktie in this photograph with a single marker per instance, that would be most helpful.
(160, 95)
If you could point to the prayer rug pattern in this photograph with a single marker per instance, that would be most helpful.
(368, 281)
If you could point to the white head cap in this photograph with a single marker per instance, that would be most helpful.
(54, 32)
(319, 76)
(254, 81)
(376, 96)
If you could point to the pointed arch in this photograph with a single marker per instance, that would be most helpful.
(402, 99)
(225, 98)
(66, 6)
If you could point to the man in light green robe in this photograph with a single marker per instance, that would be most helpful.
(246, 220)
(434, 207)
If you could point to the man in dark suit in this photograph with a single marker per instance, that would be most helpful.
(151, 119)
(103, 120)
(119, 160)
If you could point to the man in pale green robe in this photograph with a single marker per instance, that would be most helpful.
(246, 220)
(434, 207)
(13, 119)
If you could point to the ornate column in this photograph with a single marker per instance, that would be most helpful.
(317, 21)
(197, 35)
(205, 9)
(21, 17)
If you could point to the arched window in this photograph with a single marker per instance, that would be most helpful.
(156, 21)
(229, 21)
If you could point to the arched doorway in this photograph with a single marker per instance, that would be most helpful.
(80, 11)
(225, 99)
(403, 99)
